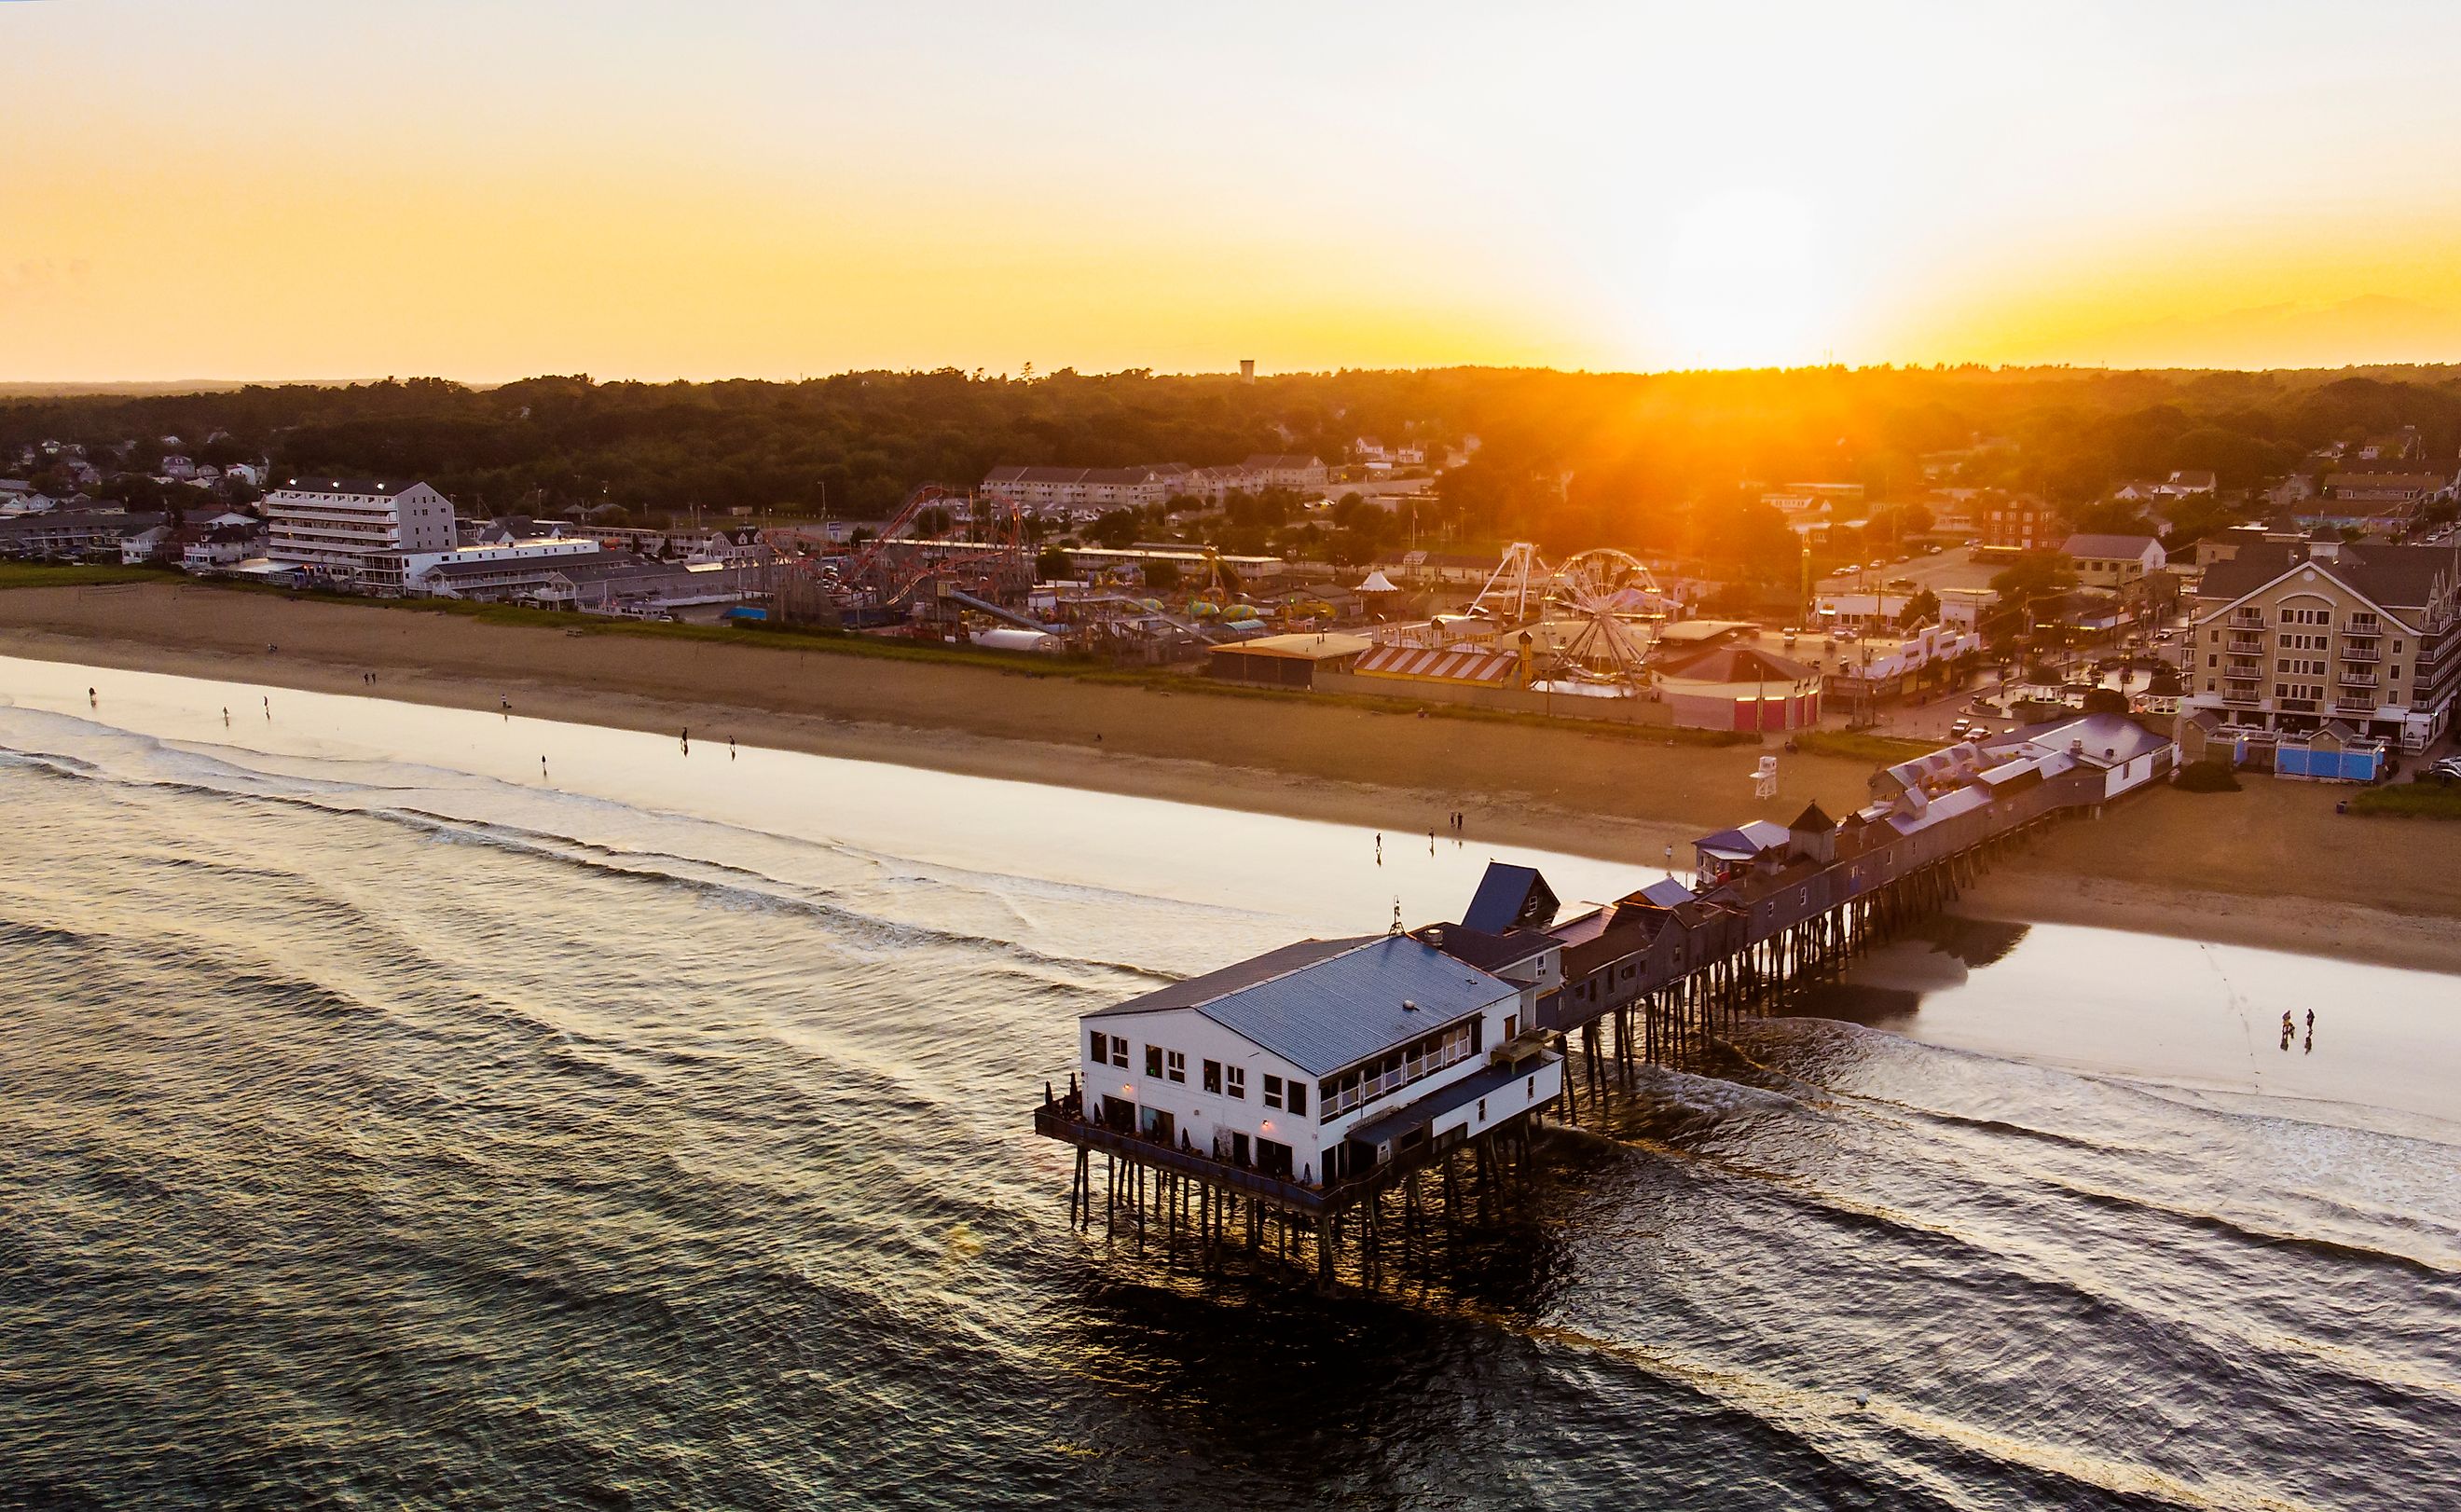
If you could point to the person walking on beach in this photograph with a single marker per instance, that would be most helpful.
(91, 701)
(269, 706)
(226, 717)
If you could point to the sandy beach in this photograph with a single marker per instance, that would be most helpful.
(2273, 865)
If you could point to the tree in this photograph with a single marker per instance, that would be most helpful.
(1921, 609)
(1162, 575)
(2035, 576)
(1117, 529)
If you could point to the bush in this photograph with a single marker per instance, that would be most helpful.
(2206, 776)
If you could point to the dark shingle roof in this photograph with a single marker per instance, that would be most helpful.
(1485, 950)
(2394, 576)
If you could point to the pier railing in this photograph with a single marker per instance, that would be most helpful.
(1054, 1121)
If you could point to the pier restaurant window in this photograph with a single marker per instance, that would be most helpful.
(1236, 1082)
(1298, 1096)
(1273, 1091)
(1101, 1046)
(1153, 1060)
(1175, 1065)
(1213, 1075)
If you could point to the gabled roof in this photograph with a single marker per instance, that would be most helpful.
(1666, 892)
(1325, 1003)
(1488, 950)
(2108, 739)
(1510, 895)
(2386, 576)
(1812, 820)
(2091, 544)
(1745, 840)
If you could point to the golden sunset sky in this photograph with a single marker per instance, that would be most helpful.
(293, 188)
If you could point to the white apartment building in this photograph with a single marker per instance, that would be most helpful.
(1043, 490)
(339, 526)
(2290, 634)
(1287, 470)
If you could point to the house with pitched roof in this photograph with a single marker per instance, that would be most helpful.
(1324, 1059)
(2113, 560)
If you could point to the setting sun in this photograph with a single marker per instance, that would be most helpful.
(1600, 188)
(1745, 285)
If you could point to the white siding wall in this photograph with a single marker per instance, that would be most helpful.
(1200, 1114)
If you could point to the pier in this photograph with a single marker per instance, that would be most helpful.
(1403, 1079)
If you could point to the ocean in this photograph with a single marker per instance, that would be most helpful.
(385, 1121)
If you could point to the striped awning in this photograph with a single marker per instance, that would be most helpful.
(1491, 668)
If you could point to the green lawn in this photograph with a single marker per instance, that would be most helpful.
(55, 575)
(1857, 746)
(2409, 801)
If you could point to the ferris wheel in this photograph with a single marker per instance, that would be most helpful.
(1606, 581)
(1605, 591)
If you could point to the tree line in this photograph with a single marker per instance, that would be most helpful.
(1663, 462)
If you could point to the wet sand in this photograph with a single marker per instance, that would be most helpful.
(2272, 865)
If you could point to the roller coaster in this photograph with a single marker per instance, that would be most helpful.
(984, 553)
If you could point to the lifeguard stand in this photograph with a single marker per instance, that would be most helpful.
(1765, 778)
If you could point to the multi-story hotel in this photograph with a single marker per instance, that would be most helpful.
(2290, 634)
(343, 527)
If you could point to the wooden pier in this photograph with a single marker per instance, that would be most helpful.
(1652, 978)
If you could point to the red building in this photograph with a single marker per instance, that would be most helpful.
(2017, 524)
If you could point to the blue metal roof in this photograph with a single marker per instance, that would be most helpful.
(1748, 839)
(1666, 892)
(1505, 898)
(1334, 1002)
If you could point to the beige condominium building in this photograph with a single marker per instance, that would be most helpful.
(354, 529)
(2289, 635)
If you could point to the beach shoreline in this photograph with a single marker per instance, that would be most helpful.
(2272, 866)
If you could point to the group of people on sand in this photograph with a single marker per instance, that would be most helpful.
(2289, 1032)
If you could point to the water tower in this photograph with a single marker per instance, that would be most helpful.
(1246, 370)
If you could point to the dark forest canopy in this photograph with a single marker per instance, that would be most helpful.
(1571, 455)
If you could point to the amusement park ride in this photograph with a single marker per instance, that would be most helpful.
(984, 560)
(1595, 609)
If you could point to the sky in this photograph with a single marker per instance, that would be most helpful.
(305, 189)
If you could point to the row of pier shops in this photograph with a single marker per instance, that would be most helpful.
(1314, 1104)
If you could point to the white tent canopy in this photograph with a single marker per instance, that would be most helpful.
(1378, 583)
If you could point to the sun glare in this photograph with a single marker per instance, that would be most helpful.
(1745, 284)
